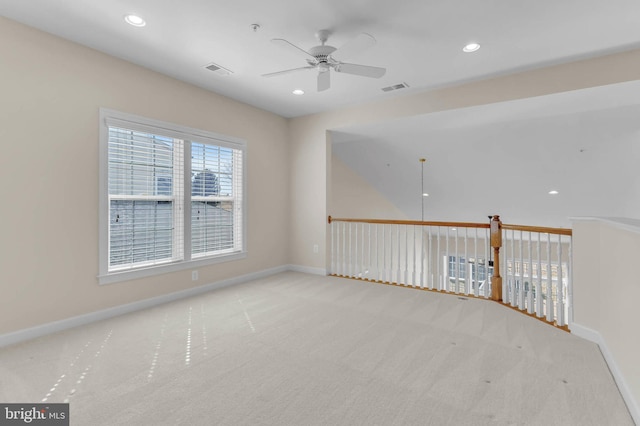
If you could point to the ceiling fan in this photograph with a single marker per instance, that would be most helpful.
(325, 57)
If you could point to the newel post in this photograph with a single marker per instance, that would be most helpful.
(496, 243)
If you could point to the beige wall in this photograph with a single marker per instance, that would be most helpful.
(586, 271)
(50, 94)
(353, 197)
(607, 290)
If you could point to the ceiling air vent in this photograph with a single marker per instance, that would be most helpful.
(395, 87)
(217, 69)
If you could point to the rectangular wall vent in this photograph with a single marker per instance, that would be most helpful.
(395, 87)
(217, 69)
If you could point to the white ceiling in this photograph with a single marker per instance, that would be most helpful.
(419, 41)
(529, 146)
(504, 158)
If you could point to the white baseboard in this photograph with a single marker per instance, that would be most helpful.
(307, 269)
(596, 337)
(65, 324)
(586, 333)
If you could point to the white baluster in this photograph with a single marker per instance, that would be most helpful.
(364, 246)
(390, 258)
(467, 276)
(559, 286)
(487, 255)
(521, 290)
(476, 265)
(447, 267)
(407, 254)
(569, 304)
(378, 245)
(353, 248)
(369, 265)
(530, 308)
(486, 287)
(550, 304)
(417, 267)
(539, 295)
(456, 289)
(512, 282)
(334, 251)
(422, 278)
(503, 265)
(450, 287)
(430, 260)
(398, 257)
(344, 249)
(438, 261)
(385, 275)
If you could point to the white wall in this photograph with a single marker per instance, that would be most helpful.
(50, 94)
(606, 293)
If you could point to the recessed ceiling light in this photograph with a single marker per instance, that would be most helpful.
(553, 192)
(135, 20)
(425, 195)
(298, 92)
(471, 47)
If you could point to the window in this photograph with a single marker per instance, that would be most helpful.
(458, 269)
(170, 197)
(480, 272)
(460, 274)
(478, 269)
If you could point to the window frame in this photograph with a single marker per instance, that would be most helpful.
(189, 135)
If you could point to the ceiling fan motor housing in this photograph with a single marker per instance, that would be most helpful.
(321, 53)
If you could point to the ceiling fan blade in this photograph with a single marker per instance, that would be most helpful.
(324, 80)
(273, 74)
(359, 44)
(292, 48)
(362, 70)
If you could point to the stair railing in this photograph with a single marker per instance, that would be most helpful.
(526, 268)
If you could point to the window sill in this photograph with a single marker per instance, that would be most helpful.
(115, 277)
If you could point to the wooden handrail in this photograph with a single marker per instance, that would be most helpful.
(412, 222)
(541, 229)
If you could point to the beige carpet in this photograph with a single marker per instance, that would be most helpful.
(297, 349)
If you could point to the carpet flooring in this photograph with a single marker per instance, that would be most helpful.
(298, 349)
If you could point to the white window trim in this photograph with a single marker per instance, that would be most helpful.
(134, 122)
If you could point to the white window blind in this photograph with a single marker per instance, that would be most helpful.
(173, 195)
(215, 214)
(145, 197)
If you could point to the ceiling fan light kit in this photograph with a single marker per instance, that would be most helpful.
(325, 57)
